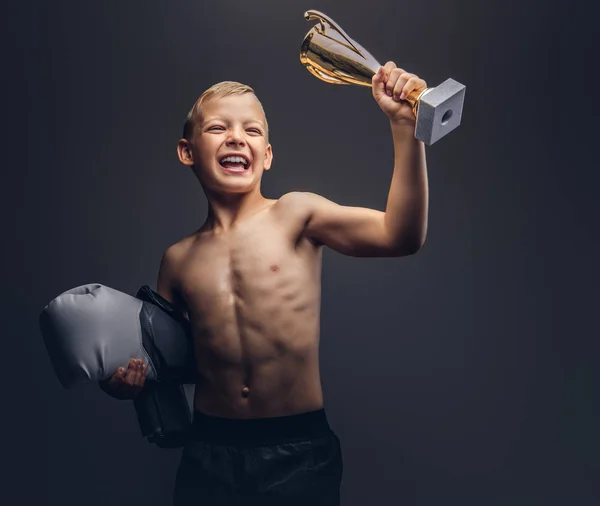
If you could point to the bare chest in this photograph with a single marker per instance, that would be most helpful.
(250, 266)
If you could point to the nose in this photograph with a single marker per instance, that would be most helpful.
(235, 137)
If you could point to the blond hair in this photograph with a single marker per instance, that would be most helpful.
(219, 90)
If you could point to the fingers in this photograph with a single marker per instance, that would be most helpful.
(117, 378)
(412, 83)
(391, 73)
(135, 373)
(381, 78)
(378, 83)
(388, 67)
(398, 83)
(126, 384)
(130, 376)
(141, 374)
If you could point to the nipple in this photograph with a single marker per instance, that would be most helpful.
(245, 392)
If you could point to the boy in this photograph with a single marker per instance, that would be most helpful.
(249, 282)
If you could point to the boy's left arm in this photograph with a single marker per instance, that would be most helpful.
(401, 230)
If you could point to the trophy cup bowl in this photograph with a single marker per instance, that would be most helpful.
(331, 55)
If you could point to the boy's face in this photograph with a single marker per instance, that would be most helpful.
(228, 126)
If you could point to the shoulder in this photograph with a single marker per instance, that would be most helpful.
(295, 210)
(297, 203)
(175, 252)
(297, 198)
(308, 206)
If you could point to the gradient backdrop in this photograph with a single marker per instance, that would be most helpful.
(463, 375)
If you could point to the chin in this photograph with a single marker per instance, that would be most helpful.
(233, 188)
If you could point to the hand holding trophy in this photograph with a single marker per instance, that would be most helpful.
(391, 86)
(331, 55)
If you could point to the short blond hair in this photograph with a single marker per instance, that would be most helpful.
(219, 90)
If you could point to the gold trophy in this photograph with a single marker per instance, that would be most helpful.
(329, 54)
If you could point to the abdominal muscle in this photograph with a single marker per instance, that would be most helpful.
(254, 313)
(258, 382)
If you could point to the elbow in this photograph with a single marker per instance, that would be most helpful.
(407, 248)
(420, 243)
(414, 249)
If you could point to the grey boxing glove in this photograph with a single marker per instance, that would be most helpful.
(91, 330)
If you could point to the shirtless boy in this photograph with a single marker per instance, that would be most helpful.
(249, 282)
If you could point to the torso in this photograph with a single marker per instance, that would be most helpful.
(252, 295)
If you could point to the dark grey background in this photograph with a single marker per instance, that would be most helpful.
(462, 375)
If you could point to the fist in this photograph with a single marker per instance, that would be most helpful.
(126, 384)
(391, 86)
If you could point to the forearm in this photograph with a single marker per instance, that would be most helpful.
(408, 199)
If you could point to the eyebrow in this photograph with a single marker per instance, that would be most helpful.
(220, 118)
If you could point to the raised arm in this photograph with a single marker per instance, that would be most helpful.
(402, 228)
(352, 231)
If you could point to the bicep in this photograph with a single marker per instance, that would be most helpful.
(353, 231)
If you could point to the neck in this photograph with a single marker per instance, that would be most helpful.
(225, 210)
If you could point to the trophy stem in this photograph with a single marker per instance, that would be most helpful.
(415, 96)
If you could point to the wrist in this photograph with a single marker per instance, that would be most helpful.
(403, 130)
(403, 123)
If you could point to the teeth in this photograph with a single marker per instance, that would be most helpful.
(234, 159)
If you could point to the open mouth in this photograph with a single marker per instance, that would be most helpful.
(235, 163)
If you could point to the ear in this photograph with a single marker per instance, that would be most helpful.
(268, 157)
(184, 151)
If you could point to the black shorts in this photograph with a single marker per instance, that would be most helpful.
(291, 460)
